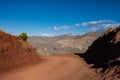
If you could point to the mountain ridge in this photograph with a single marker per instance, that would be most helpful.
(67, 43)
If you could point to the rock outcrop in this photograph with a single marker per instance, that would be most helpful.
(104, 53)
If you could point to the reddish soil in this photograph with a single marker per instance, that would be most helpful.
(62, 67)
(14, 52)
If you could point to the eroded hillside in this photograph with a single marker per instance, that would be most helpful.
(14, 52)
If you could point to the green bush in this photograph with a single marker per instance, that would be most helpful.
(23, 36)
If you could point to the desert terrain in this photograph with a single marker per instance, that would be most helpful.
(20, 61)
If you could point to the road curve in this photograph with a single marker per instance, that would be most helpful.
(59, 67)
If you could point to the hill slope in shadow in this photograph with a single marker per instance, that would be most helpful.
(104, 53)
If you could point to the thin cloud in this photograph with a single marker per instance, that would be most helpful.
(76, 25)
(47, 35)
(111, 25)
(56, 28)
(99, 25)
(93, 23)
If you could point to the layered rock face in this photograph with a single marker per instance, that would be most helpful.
(104, 53)
(14, 52)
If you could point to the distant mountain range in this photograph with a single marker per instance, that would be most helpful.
(67, 43)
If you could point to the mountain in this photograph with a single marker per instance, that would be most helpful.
(67, 43)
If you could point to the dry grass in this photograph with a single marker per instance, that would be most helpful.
(14, 52)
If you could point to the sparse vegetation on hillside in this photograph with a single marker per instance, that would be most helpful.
(15, 52)
(23, 36)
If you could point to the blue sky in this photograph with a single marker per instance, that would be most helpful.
(56, 17)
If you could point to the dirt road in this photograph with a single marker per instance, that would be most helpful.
(62, 67)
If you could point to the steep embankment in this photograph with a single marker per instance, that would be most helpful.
(104, 53)
(14, 52)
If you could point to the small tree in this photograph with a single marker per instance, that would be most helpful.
(23, 36)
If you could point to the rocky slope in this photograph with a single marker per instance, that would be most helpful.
(14, 52)
(67, 43)
(104, 53)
